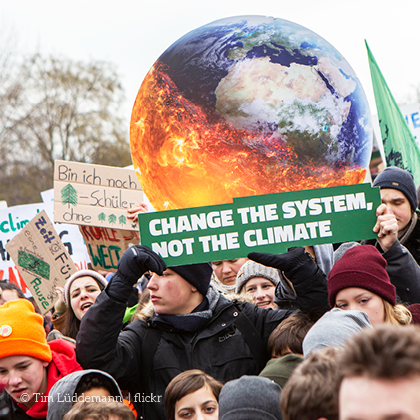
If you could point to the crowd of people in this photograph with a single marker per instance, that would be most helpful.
(319, 332)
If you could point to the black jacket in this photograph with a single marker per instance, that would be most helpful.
(12, 410)
(412, 243)
(403, 271)
(219, 349)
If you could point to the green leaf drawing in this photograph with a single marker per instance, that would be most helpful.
(69, 195)
(102, 217)
(112, 218)
(34, 264)
(122, 219)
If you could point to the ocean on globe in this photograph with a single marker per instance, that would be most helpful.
(248, 105)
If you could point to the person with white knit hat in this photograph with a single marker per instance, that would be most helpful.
(79, 294)
(258, 282)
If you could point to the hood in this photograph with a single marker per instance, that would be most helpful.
(324, 257)
(61, 394)
(63, 362)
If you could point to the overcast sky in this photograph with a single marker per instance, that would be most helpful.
(134, 33)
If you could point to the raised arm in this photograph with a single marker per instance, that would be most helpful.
(100, 342)
(309, 281)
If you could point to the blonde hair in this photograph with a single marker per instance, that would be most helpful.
(396, 314)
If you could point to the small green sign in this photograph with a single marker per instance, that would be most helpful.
(34, 264)
(265, 223)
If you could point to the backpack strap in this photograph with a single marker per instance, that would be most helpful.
(252, 338)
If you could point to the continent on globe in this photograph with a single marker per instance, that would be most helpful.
(248, 105)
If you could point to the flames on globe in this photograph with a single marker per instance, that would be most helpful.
(184, 160)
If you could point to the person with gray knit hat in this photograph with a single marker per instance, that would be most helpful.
(333, 329)
(258, 282)
(398, 193)
(250, 398)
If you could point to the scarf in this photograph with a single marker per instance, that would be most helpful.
(224, 289)
(406, 232)
(198, 318)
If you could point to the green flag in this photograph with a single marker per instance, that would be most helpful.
(399, 145)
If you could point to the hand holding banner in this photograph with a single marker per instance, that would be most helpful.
(267, 223)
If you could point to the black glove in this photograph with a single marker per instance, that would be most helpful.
(135, 261)
(296, 264)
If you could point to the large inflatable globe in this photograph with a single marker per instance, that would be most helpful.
(245, 106)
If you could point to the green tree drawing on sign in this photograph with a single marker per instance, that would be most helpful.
(102, 217)
(112, 218)
(122, 219)
(69, 195)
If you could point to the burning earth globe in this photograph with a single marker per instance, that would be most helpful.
(248, 105)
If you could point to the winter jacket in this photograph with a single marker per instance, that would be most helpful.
(62, 394)
(404, 273)
(63, 362)
(220, 348)
(412, 242)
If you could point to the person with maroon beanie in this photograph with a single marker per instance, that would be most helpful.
(29, 366)
(359, 281)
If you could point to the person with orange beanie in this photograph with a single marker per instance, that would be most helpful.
(29, 366)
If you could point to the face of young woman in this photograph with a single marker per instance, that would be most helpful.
(227, 270)
(24, 378)
(262, 292)
(357, 299)
(198, 405)
(83, 293)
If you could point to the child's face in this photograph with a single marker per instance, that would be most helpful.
(24, 378)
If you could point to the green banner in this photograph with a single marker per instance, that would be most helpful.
(399, 145)
(265, 223)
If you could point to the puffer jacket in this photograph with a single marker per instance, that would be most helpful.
(219, 349)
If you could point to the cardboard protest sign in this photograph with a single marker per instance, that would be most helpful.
(69, 234)
(266, 223)
(95, 195)
(105, 246)
(41, 259)
(12, 221)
